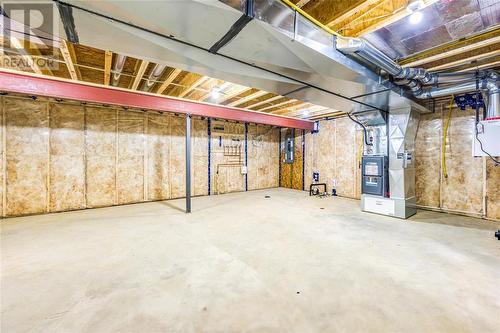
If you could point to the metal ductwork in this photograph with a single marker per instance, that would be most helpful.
(153, 77)
(416, 78)
(117, 69)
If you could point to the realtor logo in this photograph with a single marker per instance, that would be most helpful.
(29, 31)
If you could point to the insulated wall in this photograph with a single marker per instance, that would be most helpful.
(470, 185)
(335, 153)
(60, 156)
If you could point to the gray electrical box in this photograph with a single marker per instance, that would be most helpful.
(289, 148)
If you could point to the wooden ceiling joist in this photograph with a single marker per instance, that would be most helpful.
(302, 3)
(453, 52)
(293, 109)
(465, 60)
(248, 98)
(69, 57)
(266, 101)
(108, 59)
(236, 91)
(193, 86)
(139, 74)
(278, 105)
(168, 81)
(346, 15)
(397, 15)
(477, 67)
(18, 44)
(222, 87)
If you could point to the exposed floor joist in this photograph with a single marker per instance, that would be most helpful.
(248, 98)
(69, 59)
(171, 77)
(108, 59)
(139, 74)
(193, 86)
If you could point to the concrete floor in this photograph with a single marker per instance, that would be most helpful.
(244, 263)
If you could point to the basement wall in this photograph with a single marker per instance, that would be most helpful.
(291, 173)
(473, 184)
(61, 156)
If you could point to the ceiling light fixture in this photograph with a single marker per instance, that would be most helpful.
(416, 17)
(413, 9)
(414, 6)
(215, 94)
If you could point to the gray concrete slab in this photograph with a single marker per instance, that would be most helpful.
(244, 263)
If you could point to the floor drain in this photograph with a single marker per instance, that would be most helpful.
(267, 196)
(322, 208)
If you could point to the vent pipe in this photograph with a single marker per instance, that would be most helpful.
(415, 78)
(117, 70)
(153, 77)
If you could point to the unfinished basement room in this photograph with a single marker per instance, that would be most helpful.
(250, 166)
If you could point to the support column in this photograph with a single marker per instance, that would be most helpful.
(188, 163)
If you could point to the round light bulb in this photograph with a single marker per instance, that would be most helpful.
(416, 17)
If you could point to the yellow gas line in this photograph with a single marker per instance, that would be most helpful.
(310, 18)
(445, 134)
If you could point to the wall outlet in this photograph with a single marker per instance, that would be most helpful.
(244, 170)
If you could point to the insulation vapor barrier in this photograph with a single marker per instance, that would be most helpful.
(61, 156)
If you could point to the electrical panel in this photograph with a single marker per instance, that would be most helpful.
(488, 135)
(289, 149)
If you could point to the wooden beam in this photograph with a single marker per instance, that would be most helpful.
(292, 109)
(248, 98)
(464, 61)
(361, 7)
(224, 86)
(139, 74)
(193, 86)
(454, 52)
(171, 77)
(237, 91)
(108, 59)
(278, 105)
(302, 3)
(474, 67)
(69, 59)
(25, 55)
(268, 100)
(398, 15)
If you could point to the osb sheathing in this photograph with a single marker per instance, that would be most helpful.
(291, 173)
(471, 186)
(263, 163)
(26, 156)
(334, 152)
(59, 156)
(101, 154)
(492, 190)
(67, 157)
(428, 160)
(229, 177)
